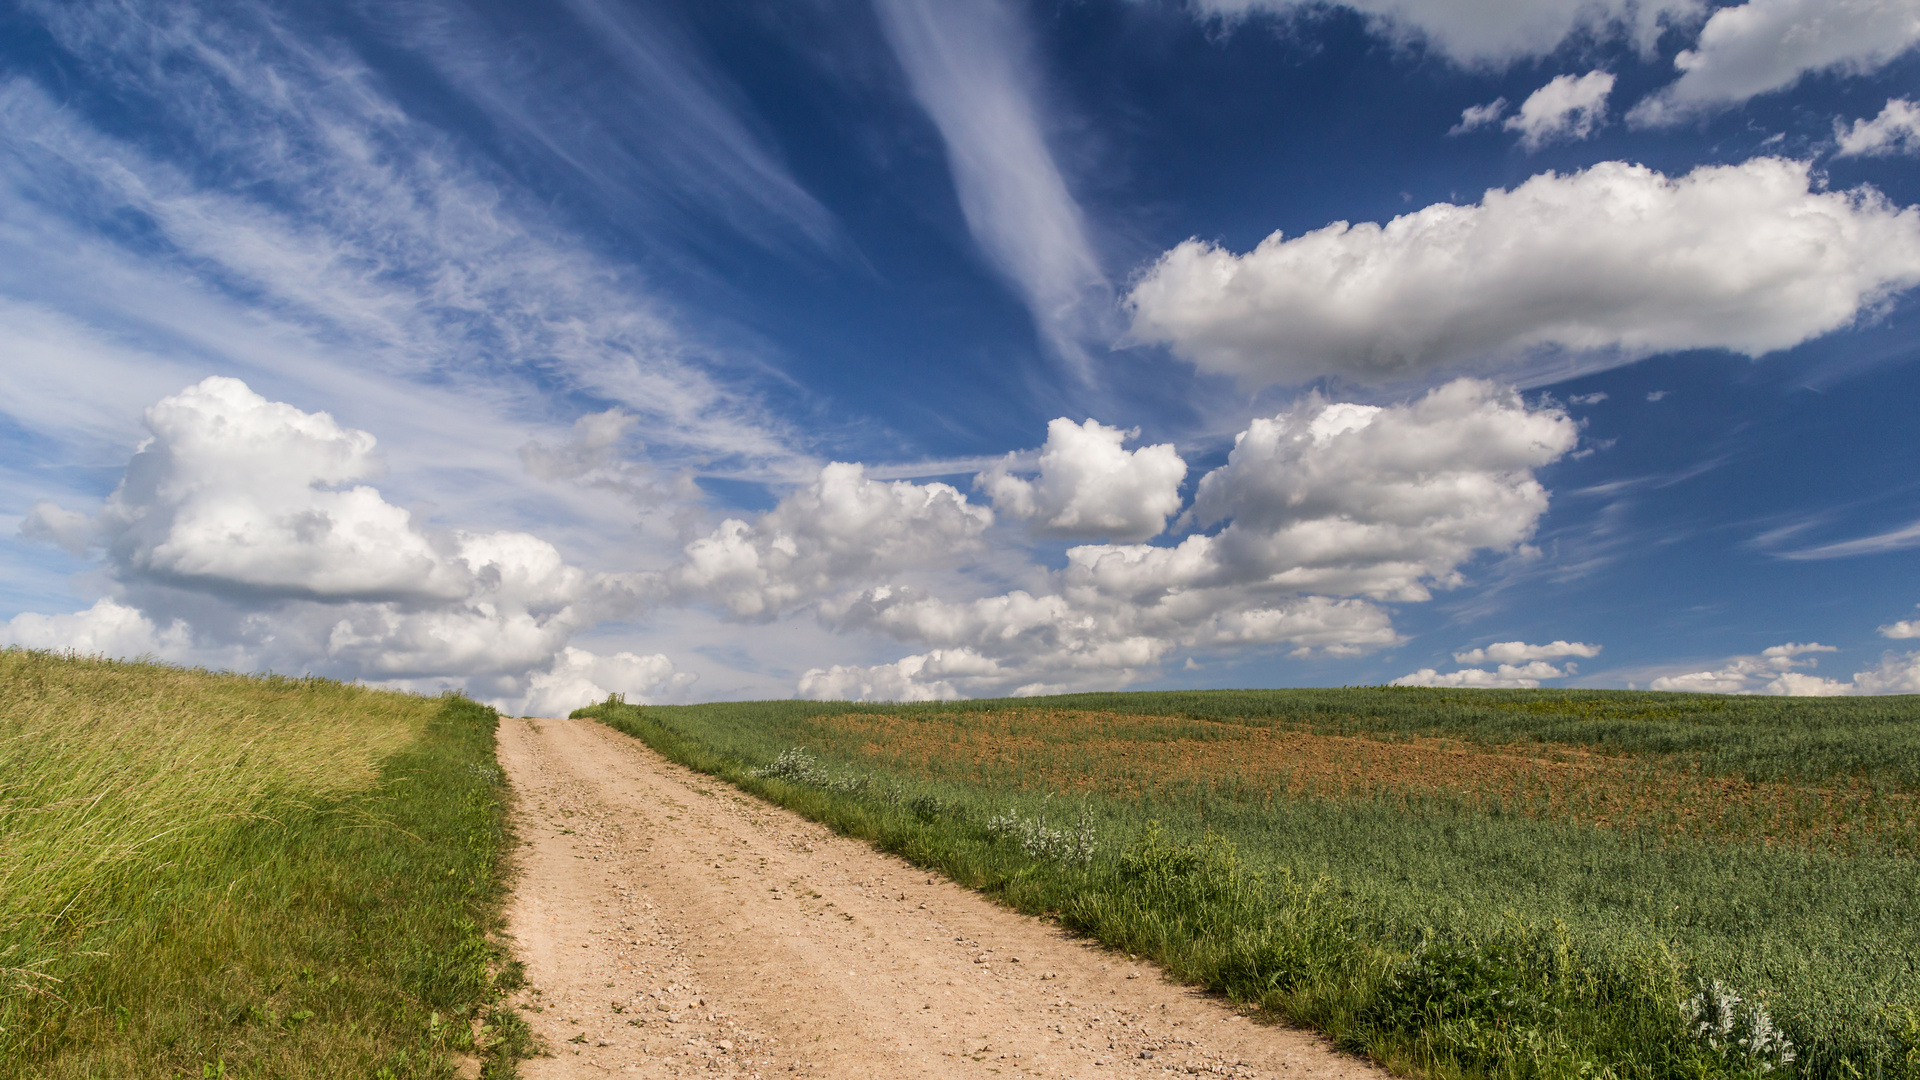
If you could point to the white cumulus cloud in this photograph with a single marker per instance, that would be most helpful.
(1517, 652)
(1358, 499)
(1612, 263)
(1504, 677)
(1090, 486)
(1520, 666)
(1905, 628)
(1895, 131)
(108, 628)
(578, 677)
(1322, 510)
(927, 677)
(1896, 674)
(1570, 107)
(1475, 117)
(1767, 45)
(234, 491)
(837, 533)
(1771, 672)
(243, 526)
(1023, 644)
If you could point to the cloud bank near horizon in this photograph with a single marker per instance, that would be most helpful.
(248, 530)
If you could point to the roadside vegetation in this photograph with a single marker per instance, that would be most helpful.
(1456, 883)
(215, 875)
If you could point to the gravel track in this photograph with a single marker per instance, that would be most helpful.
(673, 926)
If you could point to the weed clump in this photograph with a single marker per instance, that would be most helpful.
(1072, 845)
(1738, 1031)
(795, 766)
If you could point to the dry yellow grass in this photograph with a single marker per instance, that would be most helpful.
(110, 770)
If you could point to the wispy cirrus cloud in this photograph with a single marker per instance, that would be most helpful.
(970, 67)
(658, 136)
(1900, 539)
(337, 227)
(278, 218)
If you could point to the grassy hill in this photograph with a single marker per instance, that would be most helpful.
(208, 874)
(1460, 883)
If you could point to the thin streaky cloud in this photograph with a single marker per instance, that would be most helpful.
(1896, 540)
(409, 260)
(652, 130)
(920, 470)
(970, 68)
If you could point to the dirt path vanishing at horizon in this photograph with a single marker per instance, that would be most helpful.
(673, 926)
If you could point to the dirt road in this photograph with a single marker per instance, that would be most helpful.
(672, 926)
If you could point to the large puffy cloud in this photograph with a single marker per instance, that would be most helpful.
(1328, 508)
(239, 493)
(1611, 263)
(1475, 32)
(1090, 486)
(1895, 131)
(928, 677)
(1766, 45)
(242, 526)
(839, 532)
(1360, 499)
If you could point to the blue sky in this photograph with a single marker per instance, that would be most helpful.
(904, 349)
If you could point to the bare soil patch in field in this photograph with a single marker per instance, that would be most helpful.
(1130, 757)
(672, 926)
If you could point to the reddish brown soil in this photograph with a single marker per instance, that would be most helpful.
(1171, 757)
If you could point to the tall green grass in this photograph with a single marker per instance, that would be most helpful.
(218, 875)
(1452, 938)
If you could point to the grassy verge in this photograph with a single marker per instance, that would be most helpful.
(1447, 882)
(215, 875)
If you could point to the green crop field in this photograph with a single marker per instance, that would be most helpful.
(1458, 883)
(217, 875)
